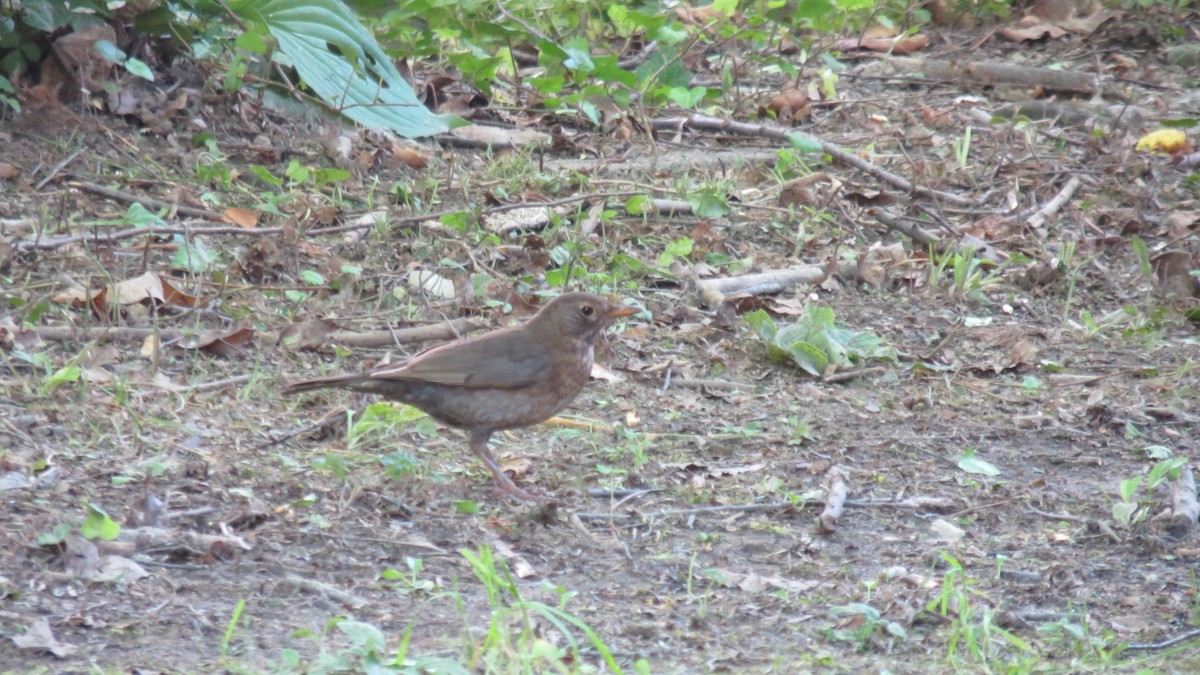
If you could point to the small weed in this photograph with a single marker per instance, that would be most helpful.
(969, 275)
(815, 343)
(1137, 493)
(864, 627)
(975, 642)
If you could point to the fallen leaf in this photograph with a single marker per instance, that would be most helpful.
(39, 636)
(241, 217)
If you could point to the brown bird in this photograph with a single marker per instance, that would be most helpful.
(509, 378)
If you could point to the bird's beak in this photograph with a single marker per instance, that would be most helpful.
(622, 310)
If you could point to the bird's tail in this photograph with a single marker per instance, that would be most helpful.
(350, 381)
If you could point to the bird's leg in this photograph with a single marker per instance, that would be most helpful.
(479, 446)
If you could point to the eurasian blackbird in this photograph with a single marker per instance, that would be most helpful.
(512, 377)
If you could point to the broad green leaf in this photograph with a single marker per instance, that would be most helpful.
(99, 525)
(804, 143)
(811, 359)
(361, 81)
(193, 256)
(972, 463)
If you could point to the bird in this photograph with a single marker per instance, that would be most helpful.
(508, 378)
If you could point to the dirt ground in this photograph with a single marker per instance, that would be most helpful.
(982, 462)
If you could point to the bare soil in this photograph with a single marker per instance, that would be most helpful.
(686, 494)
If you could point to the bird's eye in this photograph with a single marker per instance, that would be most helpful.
(587, 310)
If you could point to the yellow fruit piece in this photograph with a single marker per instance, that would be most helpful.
(1164, 142)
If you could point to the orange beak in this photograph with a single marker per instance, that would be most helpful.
(623, 310)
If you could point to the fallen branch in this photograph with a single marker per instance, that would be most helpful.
(713, 291)
(928, 503)
(1146, 646)
(1185, 510)
(707, 123)
(1053, 206)
(987, 73)
(377, 338)
(314, 586)
(835, 499)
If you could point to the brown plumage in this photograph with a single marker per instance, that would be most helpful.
(509, 378)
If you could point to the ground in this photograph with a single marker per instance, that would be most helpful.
(987, 455)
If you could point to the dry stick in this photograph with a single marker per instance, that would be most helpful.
(908, 503)
(992, 73)
(1184, 507)
(1146, 646)
(707, 123)
(314, 586)
(58, 168)
(713, 291)
(922, 237)
(1054, 205)
(148, 202)
(377, 338)
(50, 244)
(835, 499)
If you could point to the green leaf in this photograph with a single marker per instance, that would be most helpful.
(56, 536)
(1123, 511)
(109, 52)
(140, 69)
(972, 463)
(681, 247)
(67, 375)
(636, 206)
(45, 15)
(466, 507)
(312, 278)
(360, 81)
(578, 56)
(193, 256)
(805, 143)
(810, 358)
(139, 216)
(99, 525)
(762, 323)
(1129, 487)
(266, 176)
(363, 634)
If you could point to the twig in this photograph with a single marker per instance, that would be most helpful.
(909, 503)
(1184, 507)
(58, 168)
(1053, 206)
(835, 498)
(1146, 646)
(314, 586)
(377, 338)
(705, 122)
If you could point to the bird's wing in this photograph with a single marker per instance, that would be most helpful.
(506, 362)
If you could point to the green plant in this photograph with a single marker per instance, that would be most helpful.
(410, 581)
(975, 642)
(969, 275)
(1137, 493)
(962, 149)
(865, 626)
(512, 641)
(383, 417)
(815, 343)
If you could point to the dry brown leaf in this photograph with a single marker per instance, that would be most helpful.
(39, 637)
(221, 342)
(411, 157)
(308, 334)
(1032, 33)
(241, 217)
